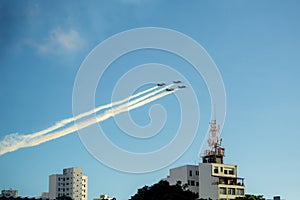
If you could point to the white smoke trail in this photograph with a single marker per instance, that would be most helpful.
(15, 140)
(85, 114)
(111, 104)
(99, 118)
(146, 101)
(144, 97)
(9, 144)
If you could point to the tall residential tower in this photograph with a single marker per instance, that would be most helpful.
(71, 184)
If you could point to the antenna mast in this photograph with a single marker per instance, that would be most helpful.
(215, 153)
(214, 140)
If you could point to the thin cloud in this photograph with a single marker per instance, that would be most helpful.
(59, 41)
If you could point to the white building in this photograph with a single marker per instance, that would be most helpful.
(71, 183)
(44, 195)
(220, 181)
(212, 178)
(185, 175)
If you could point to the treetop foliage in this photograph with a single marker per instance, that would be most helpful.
(164, 191)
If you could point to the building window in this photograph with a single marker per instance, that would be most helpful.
(231, 171)
(240, 191)
(225, 171)
(192, 183)
(231, 191)
(216, 170)
(189, 182)
(221, 169)
(197, 183)
(197, 173)
(191, 173)
(222, 190)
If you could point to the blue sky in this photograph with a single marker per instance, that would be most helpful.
(255, 45)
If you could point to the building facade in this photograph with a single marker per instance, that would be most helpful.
(211, 178)
(44, 195)
(71, 183)
(185, 175)
(220, 181)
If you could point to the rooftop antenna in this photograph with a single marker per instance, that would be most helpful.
(214, 139)
(215, 153)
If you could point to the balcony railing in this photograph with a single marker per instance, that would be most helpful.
(229, 181)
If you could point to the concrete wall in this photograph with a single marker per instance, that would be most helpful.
(183, 174)
(84, 187)
(224, 170)
(206, 188)
(52, 186)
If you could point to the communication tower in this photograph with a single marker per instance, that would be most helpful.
(215, 153)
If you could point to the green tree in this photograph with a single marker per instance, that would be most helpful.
(64, 198)
(251, 197)
(164, 191)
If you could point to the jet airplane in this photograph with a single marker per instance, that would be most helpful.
(181, 86)
(176, 82)
(169, 89)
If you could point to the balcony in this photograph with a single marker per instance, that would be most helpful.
(229, 181)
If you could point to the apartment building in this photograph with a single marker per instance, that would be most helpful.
(71, 183)
(212, 178)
